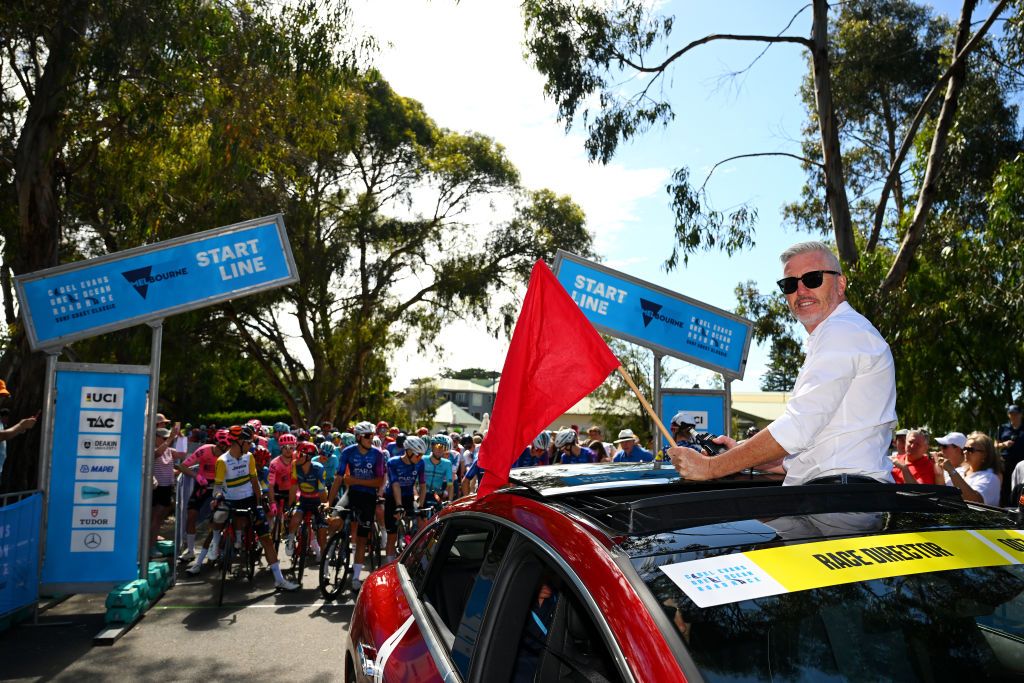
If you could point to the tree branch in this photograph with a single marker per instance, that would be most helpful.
(707, 39)
(758, 154)
(929, 99)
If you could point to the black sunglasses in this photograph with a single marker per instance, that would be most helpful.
(969, 449)
(811, 279)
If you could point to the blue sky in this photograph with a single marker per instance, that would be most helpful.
(465, 63)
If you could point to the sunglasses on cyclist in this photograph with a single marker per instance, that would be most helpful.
(811, 279)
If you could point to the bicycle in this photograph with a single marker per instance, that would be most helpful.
(277, 528)
(336, 560)
(249, 553)
(302, 545)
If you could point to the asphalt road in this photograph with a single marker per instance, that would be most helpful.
(259, 634)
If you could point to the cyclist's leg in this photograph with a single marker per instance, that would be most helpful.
(262, 529)
(364, 507)
(391, 524)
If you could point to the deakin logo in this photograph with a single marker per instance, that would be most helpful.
(139, 279)
(649, 309)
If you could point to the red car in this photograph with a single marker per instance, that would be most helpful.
(622, 572)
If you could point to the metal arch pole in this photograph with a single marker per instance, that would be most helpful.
(728, 405)
(46, 456)
(656, 396)
(149, 445)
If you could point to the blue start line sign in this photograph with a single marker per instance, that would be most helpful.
(644, 313)
(130, 287)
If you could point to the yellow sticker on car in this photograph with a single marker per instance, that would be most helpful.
(760, 573)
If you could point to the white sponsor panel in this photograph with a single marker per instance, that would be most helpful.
(87, 541)
(721, 580)
(101, 421)
(95, 492)
(103, 398)
(98, 445)
(93, 516)
(96, 469)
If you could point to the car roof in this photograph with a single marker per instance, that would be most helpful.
(647, 509)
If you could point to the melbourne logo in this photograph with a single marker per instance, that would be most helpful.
(141, 278)
(649, 309)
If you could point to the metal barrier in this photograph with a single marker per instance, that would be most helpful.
(20, 519)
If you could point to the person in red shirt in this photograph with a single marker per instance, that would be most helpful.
(916, 467)
(199, 502)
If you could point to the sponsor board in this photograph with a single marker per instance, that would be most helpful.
(96, 469)
(105, 398)
(96, 421)
(147, 283)
(88, 541)
(93, 516)
(653, 316)
(97, 445)
(94, 493)
(708, 407)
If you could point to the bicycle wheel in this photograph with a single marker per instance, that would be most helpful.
(227, 552)
(374, 548)
(301, 548)
(252, 548)
(335, 565)
(276, 532)
(402, 537)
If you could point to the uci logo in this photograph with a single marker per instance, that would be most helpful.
(105, 422)
(97, 397)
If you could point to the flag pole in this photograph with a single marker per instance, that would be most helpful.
(647, 406)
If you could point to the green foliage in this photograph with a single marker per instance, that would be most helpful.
(772, 322)
(470, 373)
(239, 417)
(616, 407)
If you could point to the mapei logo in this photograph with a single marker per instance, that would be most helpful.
(649, 309)
(141, 278)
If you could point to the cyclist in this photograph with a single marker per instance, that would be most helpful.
(406, 474)
(279, 479)
(382, 431)
(572, 452)
(536, 453)
(273, 444)
(236, 488)
(199, 502)
(308, 494)
(362, 468)
(437, 469)
(682, 426)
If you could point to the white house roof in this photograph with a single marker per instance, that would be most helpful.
(450, 414)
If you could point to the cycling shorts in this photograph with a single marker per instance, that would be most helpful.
(390, 523)
(259, 515)
(281, 495)
(304, 505)
(201, 496)
(363, 505)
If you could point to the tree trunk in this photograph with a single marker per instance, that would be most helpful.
(835, 183)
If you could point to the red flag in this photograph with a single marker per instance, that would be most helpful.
(555, 359)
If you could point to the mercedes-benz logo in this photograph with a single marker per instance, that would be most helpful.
(92, 541)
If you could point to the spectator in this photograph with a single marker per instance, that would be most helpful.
(916, 467)
(164, 458)
(1010, 442)
(980, 482)
(951, 448)
(631, 450)
(10, 432)
(899, 441)
(597, 445)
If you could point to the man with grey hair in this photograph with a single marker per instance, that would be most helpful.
(838, 423)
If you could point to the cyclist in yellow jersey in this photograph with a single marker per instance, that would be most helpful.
(236, 487)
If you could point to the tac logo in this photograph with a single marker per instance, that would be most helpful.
(104, 422)
(99, 421)
(649, 310)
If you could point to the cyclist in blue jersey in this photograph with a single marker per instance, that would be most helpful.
(327, 457)
(362, 468)
(571, 452)
(437, 470)
(273, 445)
(631, 450)
(536, 453)
(307, 495)
(406, 488)
(682, 426)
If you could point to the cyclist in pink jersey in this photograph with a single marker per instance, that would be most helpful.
(202, 493)
(279, 479)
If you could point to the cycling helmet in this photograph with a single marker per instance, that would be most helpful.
(443, 440)
(394, 431)
(327, 449)
(422, 431)
(348, 439)
(335, 435)
(302, 435)
(315, 430)
(382, 426)
(542, 441)
(221, 436)
(306, 448)
(238, 433)
(287, 440)
(565, 437)
(262, 456)
(685, 419)
(400, 440)
(280, 427)
(466, 441)
(256, 425)
(415, 444)
(751, 431)
(376, 442)
(319, 439)
(363, 428)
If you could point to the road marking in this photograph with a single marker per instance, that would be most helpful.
(237, 605)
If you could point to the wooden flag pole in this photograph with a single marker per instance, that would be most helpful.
(647, 406)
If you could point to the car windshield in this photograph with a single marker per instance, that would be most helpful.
(943, 625)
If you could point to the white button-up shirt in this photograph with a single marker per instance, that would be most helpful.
(840, 417)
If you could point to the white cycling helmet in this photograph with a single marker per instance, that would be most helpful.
(542, 441)
(565, 437)
(363, 428)
(415, 444)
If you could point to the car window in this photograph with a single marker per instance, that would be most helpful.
(417, 559)
(458, 585)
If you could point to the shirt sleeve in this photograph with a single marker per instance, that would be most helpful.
(191, 460)
(824, 381)
(222, 472)
(421, 472)
(252, 467)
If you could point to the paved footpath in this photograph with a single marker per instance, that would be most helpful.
(258, 635)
